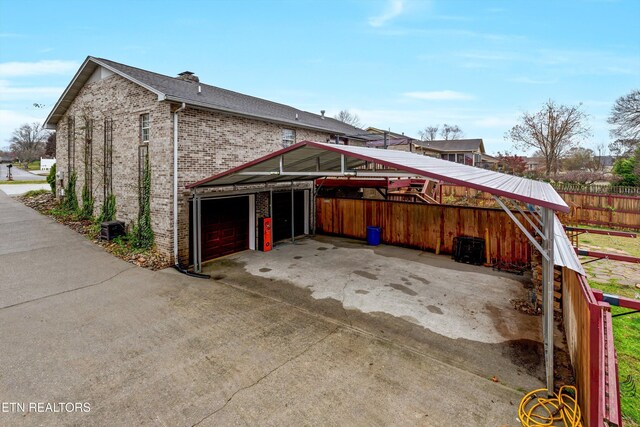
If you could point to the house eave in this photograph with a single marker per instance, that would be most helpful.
(292, 123)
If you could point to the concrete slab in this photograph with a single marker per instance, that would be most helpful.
(471, 327)
(434, 292)
(160, 348)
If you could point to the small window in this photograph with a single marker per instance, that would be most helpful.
(288, 137)
(452, 157)
(144, 128)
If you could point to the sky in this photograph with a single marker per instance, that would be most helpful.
(399, 65)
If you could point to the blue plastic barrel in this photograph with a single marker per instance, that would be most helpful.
(373, 236)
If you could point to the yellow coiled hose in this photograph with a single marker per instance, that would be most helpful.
(562, 409)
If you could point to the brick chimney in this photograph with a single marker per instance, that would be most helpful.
(188, 76)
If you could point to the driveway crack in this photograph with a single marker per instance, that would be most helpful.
(68, 290)
(255, 383)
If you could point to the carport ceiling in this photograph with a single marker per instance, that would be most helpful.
(309, 160)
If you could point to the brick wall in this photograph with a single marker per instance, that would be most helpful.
(209, 143)
(122, 101)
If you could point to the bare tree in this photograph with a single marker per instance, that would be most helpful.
(429, 133)
(579, 159)
(625, 117)
(451, 132)
(447, 132)
(349, 118)
(28, 141)
(553, 131)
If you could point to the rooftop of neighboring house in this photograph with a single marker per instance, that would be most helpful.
(534, 160)
(606, 161)
(394, 135)
(453, 145)
(187, 88)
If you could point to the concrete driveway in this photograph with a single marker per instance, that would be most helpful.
(19, 174)
(160, 348)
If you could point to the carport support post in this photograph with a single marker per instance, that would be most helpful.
(197, 255)
(547, 294)
(293, 229)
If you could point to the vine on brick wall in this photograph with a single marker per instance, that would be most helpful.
(70, 198)
(87, 202)
(51, 178)
(108, 211)
(143, 236)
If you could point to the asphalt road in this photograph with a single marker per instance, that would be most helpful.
(19, 174)
(120, 345)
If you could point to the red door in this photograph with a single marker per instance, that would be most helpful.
(225, 226)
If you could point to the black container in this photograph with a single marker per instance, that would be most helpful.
(469, 250)
(111, 229)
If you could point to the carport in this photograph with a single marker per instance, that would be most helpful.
(308, 161)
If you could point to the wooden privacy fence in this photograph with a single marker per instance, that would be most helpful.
(596, 188)
(422, 226)
(609, 210)
(588, 329)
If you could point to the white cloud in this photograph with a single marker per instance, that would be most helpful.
(393, 10)
(36, 94)
(439, 95)
(39, 68)
(530, 81)
(10, 120)
(505, 122)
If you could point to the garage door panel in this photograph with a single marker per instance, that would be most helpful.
(225, 226)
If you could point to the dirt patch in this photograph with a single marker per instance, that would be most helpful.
(366, 275)
(264, 270)
(297, 257)
(362, 292)
(434, 309)
(322, 248)
(420, 279)
(402, 289)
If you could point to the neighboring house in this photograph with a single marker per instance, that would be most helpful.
(8, 158)
(112, 117)
(535, 163)
(400, 144)
(47, 164)
(391, 140)
(605, 162)
(466, 151)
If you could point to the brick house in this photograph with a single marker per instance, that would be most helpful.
(112, 116)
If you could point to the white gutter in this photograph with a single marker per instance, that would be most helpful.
(175, 182)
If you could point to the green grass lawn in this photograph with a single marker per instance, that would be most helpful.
(626, 329)
(34, 166)
(605, 243)
(626, 333)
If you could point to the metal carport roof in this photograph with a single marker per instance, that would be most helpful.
(320, 159)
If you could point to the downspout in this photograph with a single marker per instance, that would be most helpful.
(175, 183)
